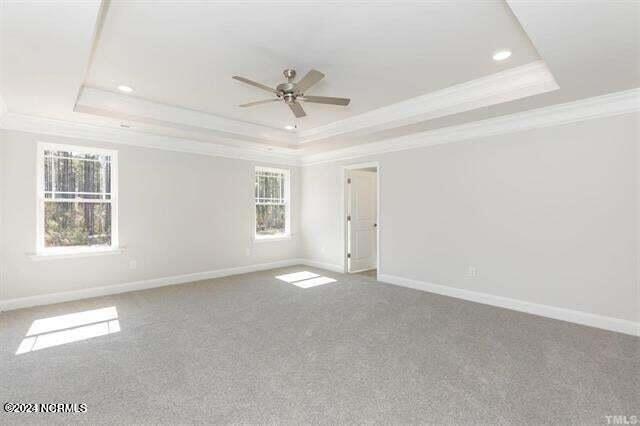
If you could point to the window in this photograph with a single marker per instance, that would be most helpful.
(272, 203)
(77, 208)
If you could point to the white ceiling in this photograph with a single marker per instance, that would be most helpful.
(44, 51)
(376, 53)
(409, 66)
(591, 47)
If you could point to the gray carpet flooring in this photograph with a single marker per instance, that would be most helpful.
(254, 349)
(372, 273)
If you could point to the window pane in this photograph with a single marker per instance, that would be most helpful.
(270, 219)
(48, 182)
(270, 188)
(77, 224)
(77, 175)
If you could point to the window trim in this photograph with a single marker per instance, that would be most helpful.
(287, 211)
(41, 250)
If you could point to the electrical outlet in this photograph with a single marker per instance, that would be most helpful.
(472, 272)
(133, 264)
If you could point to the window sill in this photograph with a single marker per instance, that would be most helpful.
(75, 254)
(274, 238)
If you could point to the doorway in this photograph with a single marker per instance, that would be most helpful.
(362, 212)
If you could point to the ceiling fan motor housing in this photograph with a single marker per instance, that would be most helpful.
(289, 97)
(287, 91)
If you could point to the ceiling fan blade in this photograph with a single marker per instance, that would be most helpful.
(309, 80)
(297, 110)
(325, 100)
(253, 83)
(259, 102)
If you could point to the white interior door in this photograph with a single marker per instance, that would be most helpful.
(362, 218)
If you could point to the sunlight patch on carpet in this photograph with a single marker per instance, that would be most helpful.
(63, 329)
(305, 279)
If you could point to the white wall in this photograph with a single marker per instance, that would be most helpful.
(2, 169)
(179, 214)
(548, 216)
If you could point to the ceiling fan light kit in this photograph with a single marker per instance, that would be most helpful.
(293, 93)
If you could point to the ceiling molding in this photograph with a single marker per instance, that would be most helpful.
(515, 83)
(585, 109)
(48, 126)
(131, 108)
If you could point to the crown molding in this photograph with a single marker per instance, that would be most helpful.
(515, 83)
(585, 109)
(101, 102)
(49, 126)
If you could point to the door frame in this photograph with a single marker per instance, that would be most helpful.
(345, 210)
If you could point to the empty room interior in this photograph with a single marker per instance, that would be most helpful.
(320, 212)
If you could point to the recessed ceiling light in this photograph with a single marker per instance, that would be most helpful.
(289, 127)
(501, 55)
(125, 89)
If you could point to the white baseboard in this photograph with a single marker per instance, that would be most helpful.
(322, 265)
(47, 299)
(578, 317)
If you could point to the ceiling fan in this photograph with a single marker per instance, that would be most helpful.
(292, 93)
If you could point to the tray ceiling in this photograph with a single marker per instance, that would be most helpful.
(411, 68)
(376, 53)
